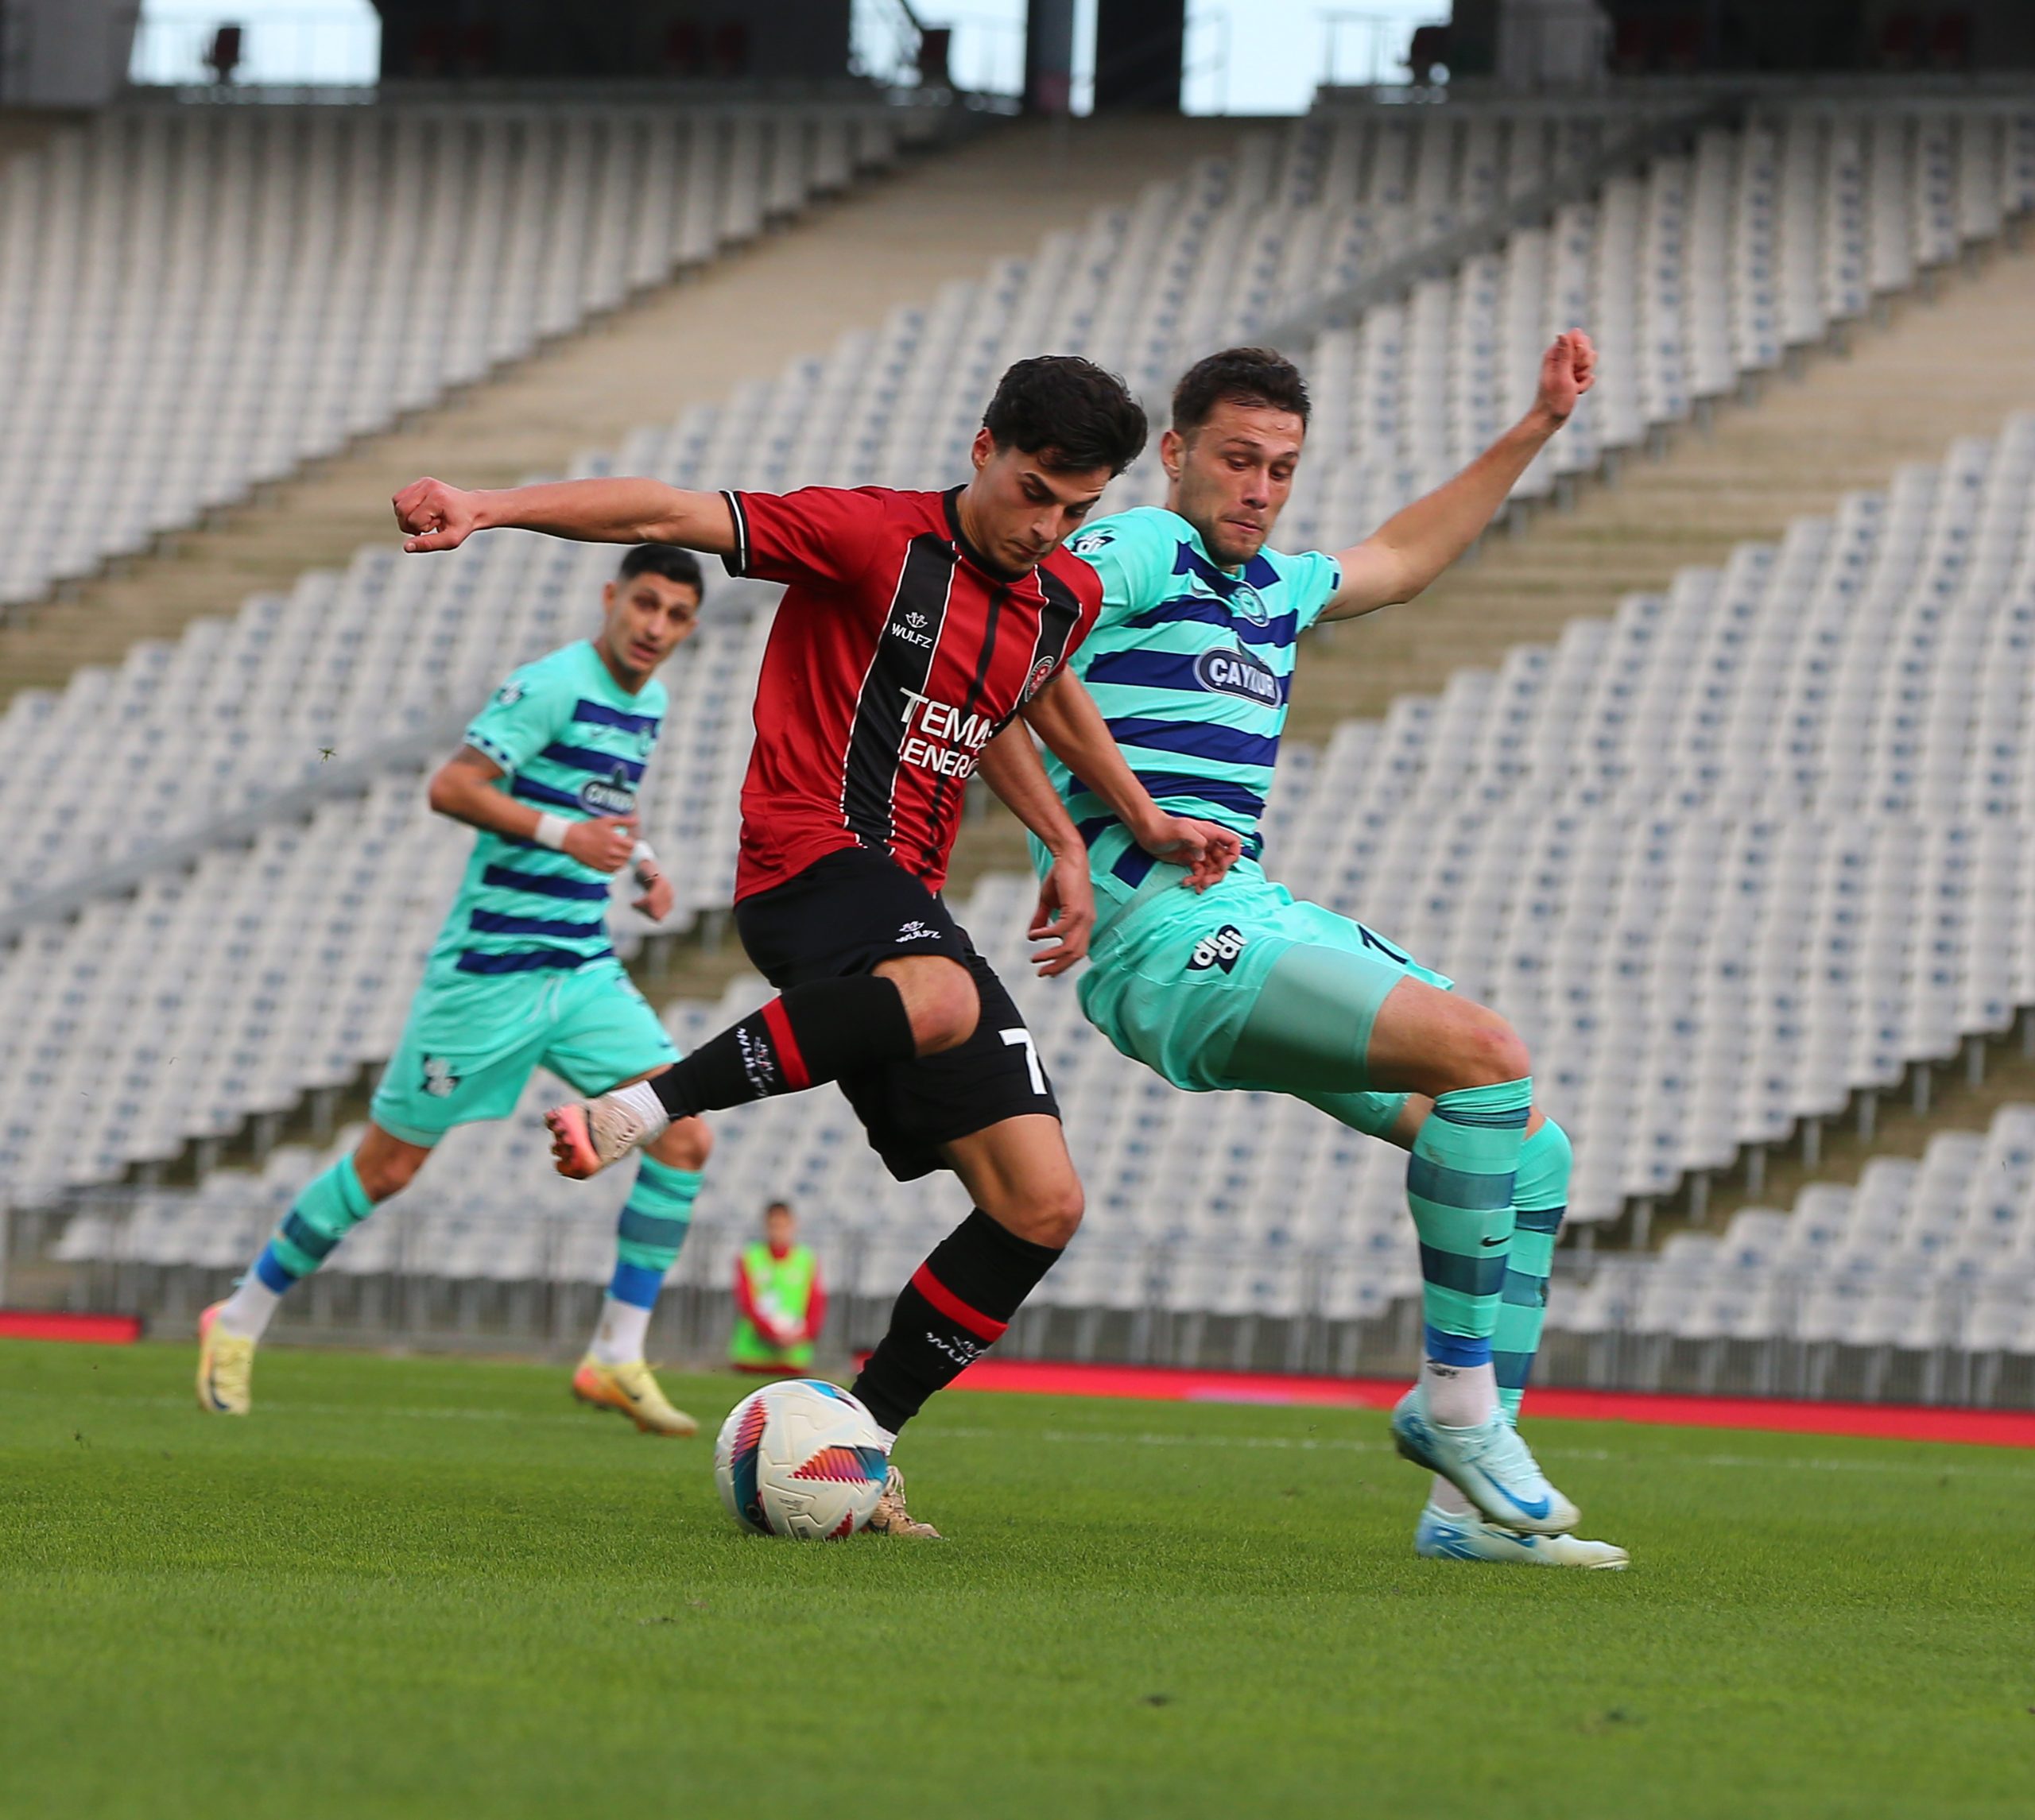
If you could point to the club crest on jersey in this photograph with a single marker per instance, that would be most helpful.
(1220, 950)
(1041, 674)
(440, 1082)
(613, 795)
(1226, 671)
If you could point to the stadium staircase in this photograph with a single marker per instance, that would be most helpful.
(1386, 817)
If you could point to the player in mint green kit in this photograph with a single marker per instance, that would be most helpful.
(1189, 670)
(523, 975)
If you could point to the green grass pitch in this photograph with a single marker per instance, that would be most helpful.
(437, 1588)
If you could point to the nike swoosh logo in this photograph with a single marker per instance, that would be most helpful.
(1539, 1507)
(1487, 1243)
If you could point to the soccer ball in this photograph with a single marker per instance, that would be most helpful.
(801, 1459)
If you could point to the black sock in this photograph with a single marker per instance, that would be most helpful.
(813, 1034)
(953, 1310)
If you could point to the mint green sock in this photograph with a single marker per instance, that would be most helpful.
(329, 1207)
(652, 1229)
(1539, 1198)
(1459, 1183)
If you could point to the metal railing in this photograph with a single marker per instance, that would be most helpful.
(547, 1304)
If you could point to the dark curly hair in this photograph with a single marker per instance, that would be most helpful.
(1069, 413)
(1241, 376)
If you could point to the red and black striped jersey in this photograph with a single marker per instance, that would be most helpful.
(897, 654)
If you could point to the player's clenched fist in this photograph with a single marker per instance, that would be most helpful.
(435, 516)
(1568, 370)
(604, 843)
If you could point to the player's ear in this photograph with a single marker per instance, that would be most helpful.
(984, 450)
(1172, 451)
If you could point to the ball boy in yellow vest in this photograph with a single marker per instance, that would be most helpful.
(781, 1304)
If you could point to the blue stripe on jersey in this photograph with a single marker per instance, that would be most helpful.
(531, 791)
(1197, 739)
(1133, 865)
(1139, 669)
(1278, 631)
(526, 960)
(499, 923)
(573, 743)
(1259, 572)
(586, 758)
(599, 714)
(506, 878)
(1225, 795)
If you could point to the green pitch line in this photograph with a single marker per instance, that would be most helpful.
(436, 1588)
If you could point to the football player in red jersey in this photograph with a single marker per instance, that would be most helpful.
(917, 629)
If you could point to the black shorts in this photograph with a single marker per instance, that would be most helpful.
(845, 915)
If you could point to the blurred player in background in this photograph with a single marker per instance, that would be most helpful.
(780, 1302)
(915, 630)
(523, 974)
(1190, 668)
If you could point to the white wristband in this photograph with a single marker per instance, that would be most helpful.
(551, 832)
(642, 856)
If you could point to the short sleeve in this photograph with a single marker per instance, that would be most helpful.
(523, 716)
(829, 535)
(1129, 555)
(1311, 583)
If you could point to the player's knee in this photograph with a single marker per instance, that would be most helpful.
(1484, 1050)
(1054, 1215)
(945, 1008)
(383, 1173)
(685, 1145)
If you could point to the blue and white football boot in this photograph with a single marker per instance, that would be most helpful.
(1447, 1536)
(1489, 1463)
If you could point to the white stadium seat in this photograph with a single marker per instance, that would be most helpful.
(1757, 844)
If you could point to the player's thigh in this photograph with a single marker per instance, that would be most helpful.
(1018, 1171)
(914, 1110)
(1321, 985)
(605, 1034)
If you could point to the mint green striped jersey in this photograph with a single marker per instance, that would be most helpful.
(572, 743)
(1191, 666)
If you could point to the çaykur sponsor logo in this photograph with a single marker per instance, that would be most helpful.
(613, 795)
(1226, 671)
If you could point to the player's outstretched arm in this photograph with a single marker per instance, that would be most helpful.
(435, 517)
(1064, 715)
(464, 789)
(1412, 547)
(1066, 914)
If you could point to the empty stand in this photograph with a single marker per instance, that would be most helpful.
(1753, 847)
(194, 301)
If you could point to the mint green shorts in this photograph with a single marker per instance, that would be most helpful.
(470, 1046)
(1174, 977)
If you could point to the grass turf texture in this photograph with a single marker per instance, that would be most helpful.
(434, 1587)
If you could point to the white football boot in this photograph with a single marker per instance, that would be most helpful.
(1451, 1535)
(1489, 1463)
